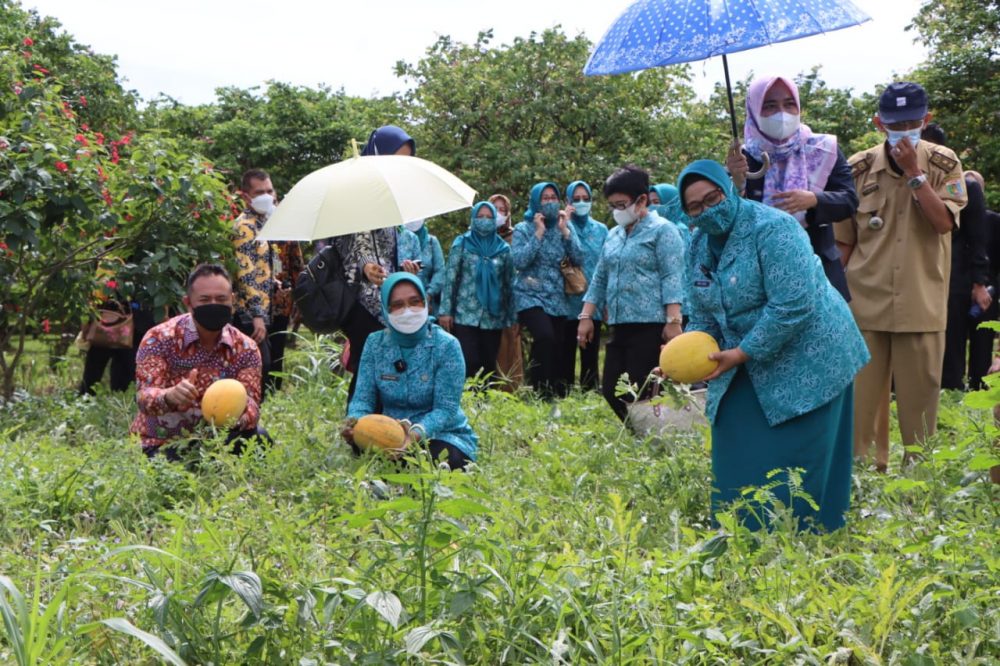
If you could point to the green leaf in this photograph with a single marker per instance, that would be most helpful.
(387, 605)
(122, 625)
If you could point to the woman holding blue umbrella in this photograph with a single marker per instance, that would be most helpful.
(809, 176)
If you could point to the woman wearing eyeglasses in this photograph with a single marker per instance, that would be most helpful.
(540, 243)
(782, 394)
(413, 370)
(638, 282)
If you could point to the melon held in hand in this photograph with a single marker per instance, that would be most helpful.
(685, 358)
(224, 402)
(377, 431)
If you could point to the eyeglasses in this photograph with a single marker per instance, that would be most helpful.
(713, 198)
(620, 205)
(550, 199)
(415, 302)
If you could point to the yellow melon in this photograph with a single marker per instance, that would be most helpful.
(685, 358)
(224, 402)
(377, 431)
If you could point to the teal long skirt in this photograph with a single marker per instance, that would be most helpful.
(745, 449)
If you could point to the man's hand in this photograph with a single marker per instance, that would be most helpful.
(728, 360)
(795, 201)
(259, 330)
(375, 274)
(184, 393)
(981, 296)
(906, 157)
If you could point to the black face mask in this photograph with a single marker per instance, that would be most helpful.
(212, 316)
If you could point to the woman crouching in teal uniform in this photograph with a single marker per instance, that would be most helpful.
(413, 370)
(781, 396)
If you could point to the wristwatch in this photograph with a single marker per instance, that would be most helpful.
(917, 181)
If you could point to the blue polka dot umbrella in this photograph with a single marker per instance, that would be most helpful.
(653, 33)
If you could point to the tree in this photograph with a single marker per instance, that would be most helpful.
(962, 77)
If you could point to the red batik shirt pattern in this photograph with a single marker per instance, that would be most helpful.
(168, 353)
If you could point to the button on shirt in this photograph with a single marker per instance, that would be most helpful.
(899, 270)
(639, 273)
(168, 353)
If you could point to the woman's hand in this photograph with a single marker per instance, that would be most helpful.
(584, 332)
(671, 331)
(795, 201)
(347, 430)
(539, 225)
(410, 266)
(563, 224)
(446, 322)
(737, 165)
(375, 274)
(728, 360)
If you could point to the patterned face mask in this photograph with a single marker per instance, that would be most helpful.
(718, 219)
(484, 226)
(550, 211)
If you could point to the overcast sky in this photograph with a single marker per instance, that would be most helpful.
(187, 48)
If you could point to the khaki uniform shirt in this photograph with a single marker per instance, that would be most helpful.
(899, 270)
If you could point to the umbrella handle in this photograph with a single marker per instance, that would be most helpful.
(759, 173)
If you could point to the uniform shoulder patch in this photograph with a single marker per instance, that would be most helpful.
(861, 163)
(943, 162)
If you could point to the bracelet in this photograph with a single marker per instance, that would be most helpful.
(584, 315)
(675, 320)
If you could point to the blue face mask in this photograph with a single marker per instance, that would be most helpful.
(897, 136)
(484, 226)
(582, 208)
(550, 211)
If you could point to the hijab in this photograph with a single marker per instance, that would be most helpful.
(386, 140)
(488, 289)
(670, 203)
(535, 201)
(579, 221)
(507, 228)
(402, 339)
(803, 161)
(720, 219)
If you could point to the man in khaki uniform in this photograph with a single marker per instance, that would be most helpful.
(897, 254)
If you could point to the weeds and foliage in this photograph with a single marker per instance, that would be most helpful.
(569, 542)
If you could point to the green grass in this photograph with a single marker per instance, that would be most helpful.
(571, 542)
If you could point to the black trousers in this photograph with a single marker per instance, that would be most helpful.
(634, 349)
(122, 360)
(236, 440)
(244, 322)
(480, 347)
(963, 336)
(546, 334)
(277, 339)
(359, 325)
(439, 450)
(589, 376)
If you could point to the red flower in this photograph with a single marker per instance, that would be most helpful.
(100, 174)
(81, 139)
(28, 41)
(40, 69)
(114, 154)
(86, 128)
(98, 137)
(107, 197)
(197, 215)
(62, 166)
(112, 284)
(83, 100)
(127, 139)
(17, 90)
(45, 326)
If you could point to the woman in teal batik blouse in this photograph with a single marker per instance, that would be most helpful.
(431, 262)
(781, 396)
(477, 302)
(540, 243)
(413, 370)
(638, 282)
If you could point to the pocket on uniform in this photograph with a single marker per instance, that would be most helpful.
(870, 206)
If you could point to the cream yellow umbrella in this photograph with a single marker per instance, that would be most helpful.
(365, 193)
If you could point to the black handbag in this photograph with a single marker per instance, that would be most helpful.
(322, 293)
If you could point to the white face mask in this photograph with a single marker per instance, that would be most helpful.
(409, 320)
(623, 218)
(263, 204)
(895, 136)
(501, 220)
(780, 125)
(414, 225)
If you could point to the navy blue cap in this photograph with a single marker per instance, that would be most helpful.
(902, 101)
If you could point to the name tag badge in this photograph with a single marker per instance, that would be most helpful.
(390, 378)
(702, 283)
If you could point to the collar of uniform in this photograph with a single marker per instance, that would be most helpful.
(189, 333)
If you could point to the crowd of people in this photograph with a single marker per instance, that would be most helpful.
(829, 282)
